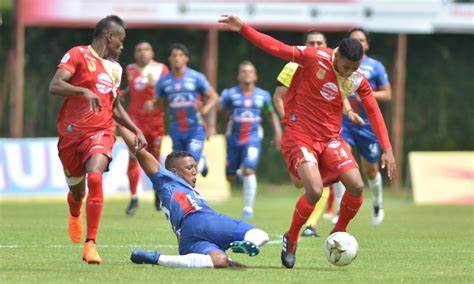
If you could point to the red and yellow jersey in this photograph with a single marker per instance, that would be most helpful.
(315, 106)
(100, 76)
(141, 83)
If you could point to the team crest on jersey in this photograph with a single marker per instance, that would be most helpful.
(177, 86)
(329, 91)
(247, 103)
(140, 83)
(320, 73)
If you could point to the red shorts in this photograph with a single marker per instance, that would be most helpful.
(153, 131)
(74, 152)
(333, 157)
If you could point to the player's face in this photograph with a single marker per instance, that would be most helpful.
(316, 40)
(247, 74)
(344, 66)
(178, 59)
(143, 53)
(115, 40)
(360, 36)
(186, 168)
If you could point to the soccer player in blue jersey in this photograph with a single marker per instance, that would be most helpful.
(362, 137)
(245, 103)
(184, 89)
(203, 234)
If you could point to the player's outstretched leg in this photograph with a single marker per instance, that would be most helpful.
(352, 199)
(133, 173)
(250, 192)
(202, 165)
(253, 240)
(339, 190)
(215, 259)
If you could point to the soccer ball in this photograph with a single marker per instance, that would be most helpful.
(341, 248)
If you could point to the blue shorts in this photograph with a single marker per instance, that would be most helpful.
(247, 155)
(363, 140)
(206, 231)
(191, 141)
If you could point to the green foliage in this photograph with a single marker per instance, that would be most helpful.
(438, 114)
(415, 244)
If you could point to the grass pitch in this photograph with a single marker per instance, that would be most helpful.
(414, 244)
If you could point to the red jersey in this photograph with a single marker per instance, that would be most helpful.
(315, 103)
(141, 85)
(102, 77)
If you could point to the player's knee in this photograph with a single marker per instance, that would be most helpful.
(248, 172)
(297, 182)
(356, 187)
(219, 260)
(371, 172)
(313, 193)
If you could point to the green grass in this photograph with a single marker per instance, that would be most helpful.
(414, 244)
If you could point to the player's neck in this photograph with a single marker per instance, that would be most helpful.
(142, 65)
(247, 88)
(99, 48)
(178, 72)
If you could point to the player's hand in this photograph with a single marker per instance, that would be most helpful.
(140, 141)
(94, 100)
(388, 161)
(355, 118)
(233, 23)
(199, 106)
(148, 106)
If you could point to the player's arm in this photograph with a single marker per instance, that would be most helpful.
(378, 125)
(208, 110)
(265, 42)
(60, 86)
(350, 113)
(280, 92)
(147, 161)
(384, 93)
(121, 116)
(276, 128)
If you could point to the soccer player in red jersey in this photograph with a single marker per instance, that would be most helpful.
(88, 77)
(311, 143)
(142, 77)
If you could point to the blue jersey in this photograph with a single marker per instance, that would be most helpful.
(246, 113)
(178, 198)
(375, 73)
(183, 94)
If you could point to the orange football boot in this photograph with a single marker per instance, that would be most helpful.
(75, 229)
(90, 253)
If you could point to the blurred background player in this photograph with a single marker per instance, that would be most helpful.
(203, 234)
(142, 77)
(361, 137)
(311, 142)
(88, 78)
(245, 104)
(184, 89)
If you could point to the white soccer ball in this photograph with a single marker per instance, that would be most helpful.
(341, 248)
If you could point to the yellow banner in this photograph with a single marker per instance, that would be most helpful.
(442, 177)
(215, 185)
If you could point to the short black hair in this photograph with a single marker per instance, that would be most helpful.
(169, 162)
(245, 63)
(366, 33)
(142, 41)
(313, 32)
(179, 46)
(351, 49)
(103, 25)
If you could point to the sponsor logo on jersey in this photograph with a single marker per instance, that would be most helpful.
(248, 103)
(140, 83)
(104, 83)
(329, 91)
(334, 144)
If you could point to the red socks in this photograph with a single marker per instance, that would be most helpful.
(349, 207)
(303, 210)
(95, 202)
(330, 207)
(133, 173)
(74, 205)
